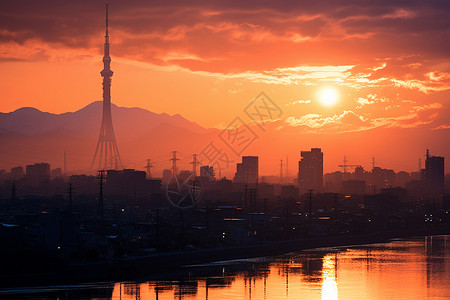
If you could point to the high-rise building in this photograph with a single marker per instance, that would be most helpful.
(310, 171)
(108, 153)
(17, 173)
(247, 171)
(208, 172)
(433, 174)
(381, 179)
(184, 176)
(166, 176)
(38, 174)
(55, 173)
(126, 182)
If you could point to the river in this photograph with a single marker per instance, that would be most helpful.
(413, 268)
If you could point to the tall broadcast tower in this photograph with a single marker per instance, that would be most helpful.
(108, 156)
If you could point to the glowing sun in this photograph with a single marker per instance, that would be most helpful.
(328, 96)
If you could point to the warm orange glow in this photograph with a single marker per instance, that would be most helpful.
(355, 273)
(328, 96)
(332, 75)
(329, 284)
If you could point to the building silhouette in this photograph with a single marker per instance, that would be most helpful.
(310, 171)
(185, 176)
(433, 174)
(38, 174)
(126, 182)
(17, 173)
(166, 176)
(382, 178)
(208, 172)
(55, 173)
(247, 172)
(108, 153)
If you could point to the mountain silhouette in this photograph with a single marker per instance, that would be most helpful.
(29, 135)
(33, 136)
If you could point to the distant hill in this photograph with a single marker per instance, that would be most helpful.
(28, 135)
(30, 121)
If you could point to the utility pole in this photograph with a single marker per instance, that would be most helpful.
(194, 165)
(335, 207)
(310, 204)
(174, 163)
(373, 162)
(148, 168)
(70, 196)
(101, 177)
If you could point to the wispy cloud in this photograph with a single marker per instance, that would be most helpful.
(352, 121)
(298, 102)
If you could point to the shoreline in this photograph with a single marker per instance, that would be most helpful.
(154, 266)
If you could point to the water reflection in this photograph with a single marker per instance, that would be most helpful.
(329, 276)
(408, 269)
(405, 269)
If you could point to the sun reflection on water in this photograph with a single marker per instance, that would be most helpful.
(414, 269)
(329, 276)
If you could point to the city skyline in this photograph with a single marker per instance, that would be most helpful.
(270, 163)
(268, 149)
(328, 99)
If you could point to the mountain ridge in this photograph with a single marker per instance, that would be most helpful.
(29, 135)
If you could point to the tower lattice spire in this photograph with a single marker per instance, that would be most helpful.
(108, 154)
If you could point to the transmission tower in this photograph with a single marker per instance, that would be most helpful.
(148, 168)
(194, 165)
(107, 147)
(174, 162)
(345, 166)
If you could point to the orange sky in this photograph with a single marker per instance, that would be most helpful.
(388, 61)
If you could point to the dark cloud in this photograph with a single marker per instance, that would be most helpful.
(247, 33)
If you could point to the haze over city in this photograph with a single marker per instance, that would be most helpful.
(224, 149)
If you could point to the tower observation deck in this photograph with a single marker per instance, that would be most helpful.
(106, 153)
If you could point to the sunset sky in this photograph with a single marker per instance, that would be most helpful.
(379, 63)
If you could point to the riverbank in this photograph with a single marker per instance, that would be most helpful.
(155, 265)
